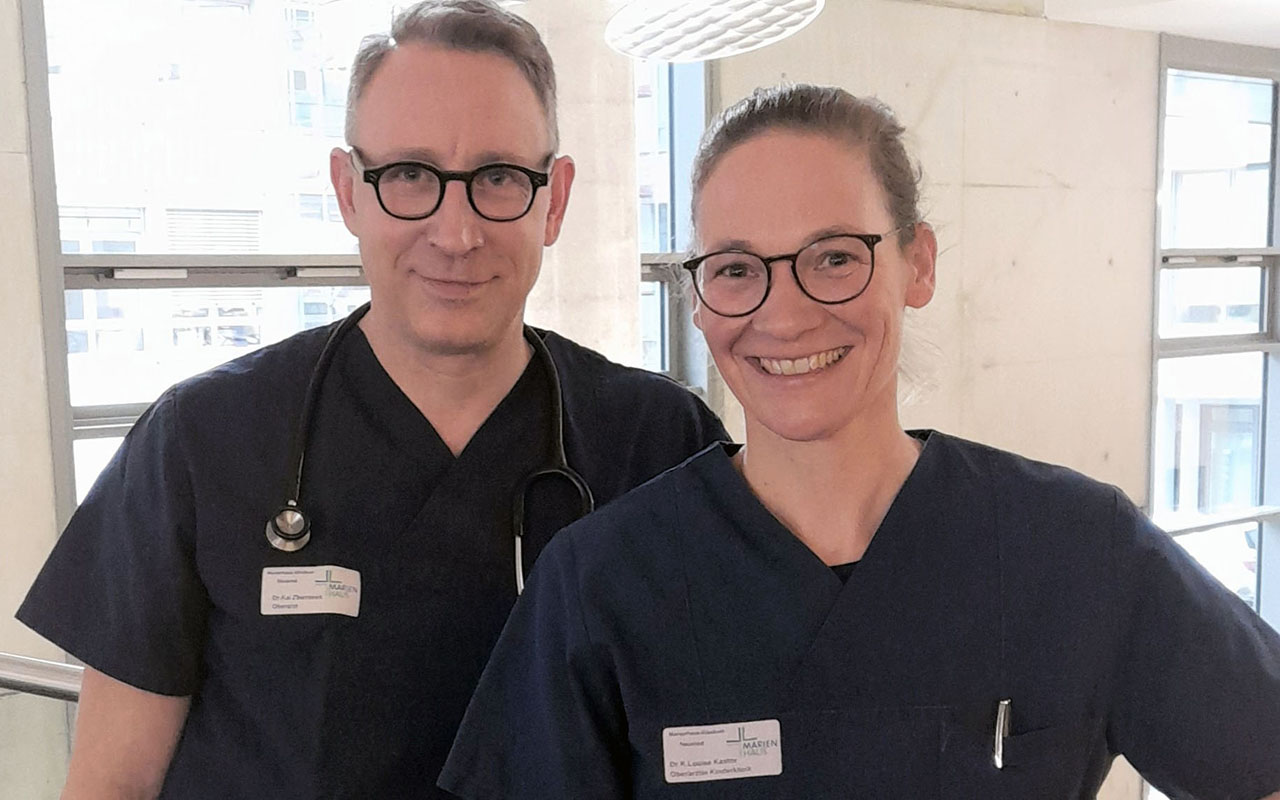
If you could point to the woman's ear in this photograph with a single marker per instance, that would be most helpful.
(922, 257)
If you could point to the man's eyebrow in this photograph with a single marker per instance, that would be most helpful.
(427, 156)
(730, 244)
(411, 154)
(498, 156)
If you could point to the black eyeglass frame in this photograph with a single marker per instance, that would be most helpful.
(869, 239)
(373, 176)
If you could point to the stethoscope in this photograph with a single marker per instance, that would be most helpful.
(289, 529)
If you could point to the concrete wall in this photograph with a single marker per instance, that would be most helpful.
(33, 742)
(1038, 142)
(590, 283)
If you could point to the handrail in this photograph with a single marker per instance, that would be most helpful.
(40, 677)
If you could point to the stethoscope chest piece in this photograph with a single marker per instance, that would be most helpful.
(289, 529)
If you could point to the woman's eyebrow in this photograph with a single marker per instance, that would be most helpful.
(743, 244)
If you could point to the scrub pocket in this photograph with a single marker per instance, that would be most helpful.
(1044, 763)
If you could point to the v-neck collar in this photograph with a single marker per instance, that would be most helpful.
(755, 520)
(749, 576)
(382, 399)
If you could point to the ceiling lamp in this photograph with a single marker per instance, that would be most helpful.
(700, 30)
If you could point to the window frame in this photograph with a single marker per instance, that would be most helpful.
(160, 271)
(691, 92)
(1179, 53)
(60, 272)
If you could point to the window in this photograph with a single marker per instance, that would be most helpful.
(1217, 377)
(245, 130)
(654, 326)
(100, 230)
(300, 17)
(311, 206)
(1217, 160)
(194, 211)
(670, 106)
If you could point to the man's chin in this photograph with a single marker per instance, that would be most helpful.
(457, 340)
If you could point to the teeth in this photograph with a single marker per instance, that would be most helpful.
(800, 366)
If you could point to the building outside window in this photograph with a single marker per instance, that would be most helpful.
(671, 113)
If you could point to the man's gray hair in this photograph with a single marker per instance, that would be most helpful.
(479, 26)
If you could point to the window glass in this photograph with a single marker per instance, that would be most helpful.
(134, 343)
(91, 457)
(653, 153)
(1216, 301)
(100, 229)
(653, 326)
(160, 118)
(311, 206)
(1216, 187)
(1208, 436)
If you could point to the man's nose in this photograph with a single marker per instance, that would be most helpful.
(455, 228)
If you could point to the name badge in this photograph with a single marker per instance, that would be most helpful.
(698, 753)
(310, 590)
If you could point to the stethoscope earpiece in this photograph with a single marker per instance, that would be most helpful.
(289, 529)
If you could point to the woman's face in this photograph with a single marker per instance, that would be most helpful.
(776, 193)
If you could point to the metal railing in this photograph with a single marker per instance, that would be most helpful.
(39, 677)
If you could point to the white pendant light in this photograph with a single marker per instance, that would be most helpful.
(700, 30)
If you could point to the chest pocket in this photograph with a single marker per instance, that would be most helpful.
(1050, 761)
(924, 753)
(863, 753)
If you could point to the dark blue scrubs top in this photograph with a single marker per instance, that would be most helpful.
(992, 577)
(157, 579)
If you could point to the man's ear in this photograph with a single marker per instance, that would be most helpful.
(342, 174)
(562, 172)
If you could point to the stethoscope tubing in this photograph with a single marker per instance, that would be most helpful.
(289, 529)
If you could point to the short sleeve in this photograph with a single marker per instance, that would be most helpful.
(546, 719)
(710, 429)
(120, 590)
(1196, 707)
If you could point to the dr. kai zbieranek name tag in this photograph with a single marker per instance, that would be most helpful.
(310, 590)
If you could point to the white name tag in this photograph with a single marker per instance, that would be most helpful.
(722, 752)
(310, 590)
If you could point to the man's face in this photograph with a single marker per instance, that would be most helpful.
(454, 282)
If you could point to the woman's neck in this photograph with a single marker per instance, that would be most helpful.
(832, 493)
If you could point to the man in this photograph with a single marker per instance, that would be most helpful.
(334, 657)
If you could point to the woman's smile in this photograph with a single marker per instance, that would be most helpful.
(802, 365)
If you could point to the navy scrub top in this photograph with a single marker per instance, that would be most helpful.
(157, 579)
(992, 577)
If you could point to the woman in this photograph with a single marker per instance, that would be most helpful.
(842, 608)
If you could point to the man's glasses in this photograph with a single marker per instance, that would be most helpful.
(831, 270)
(413, 190)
